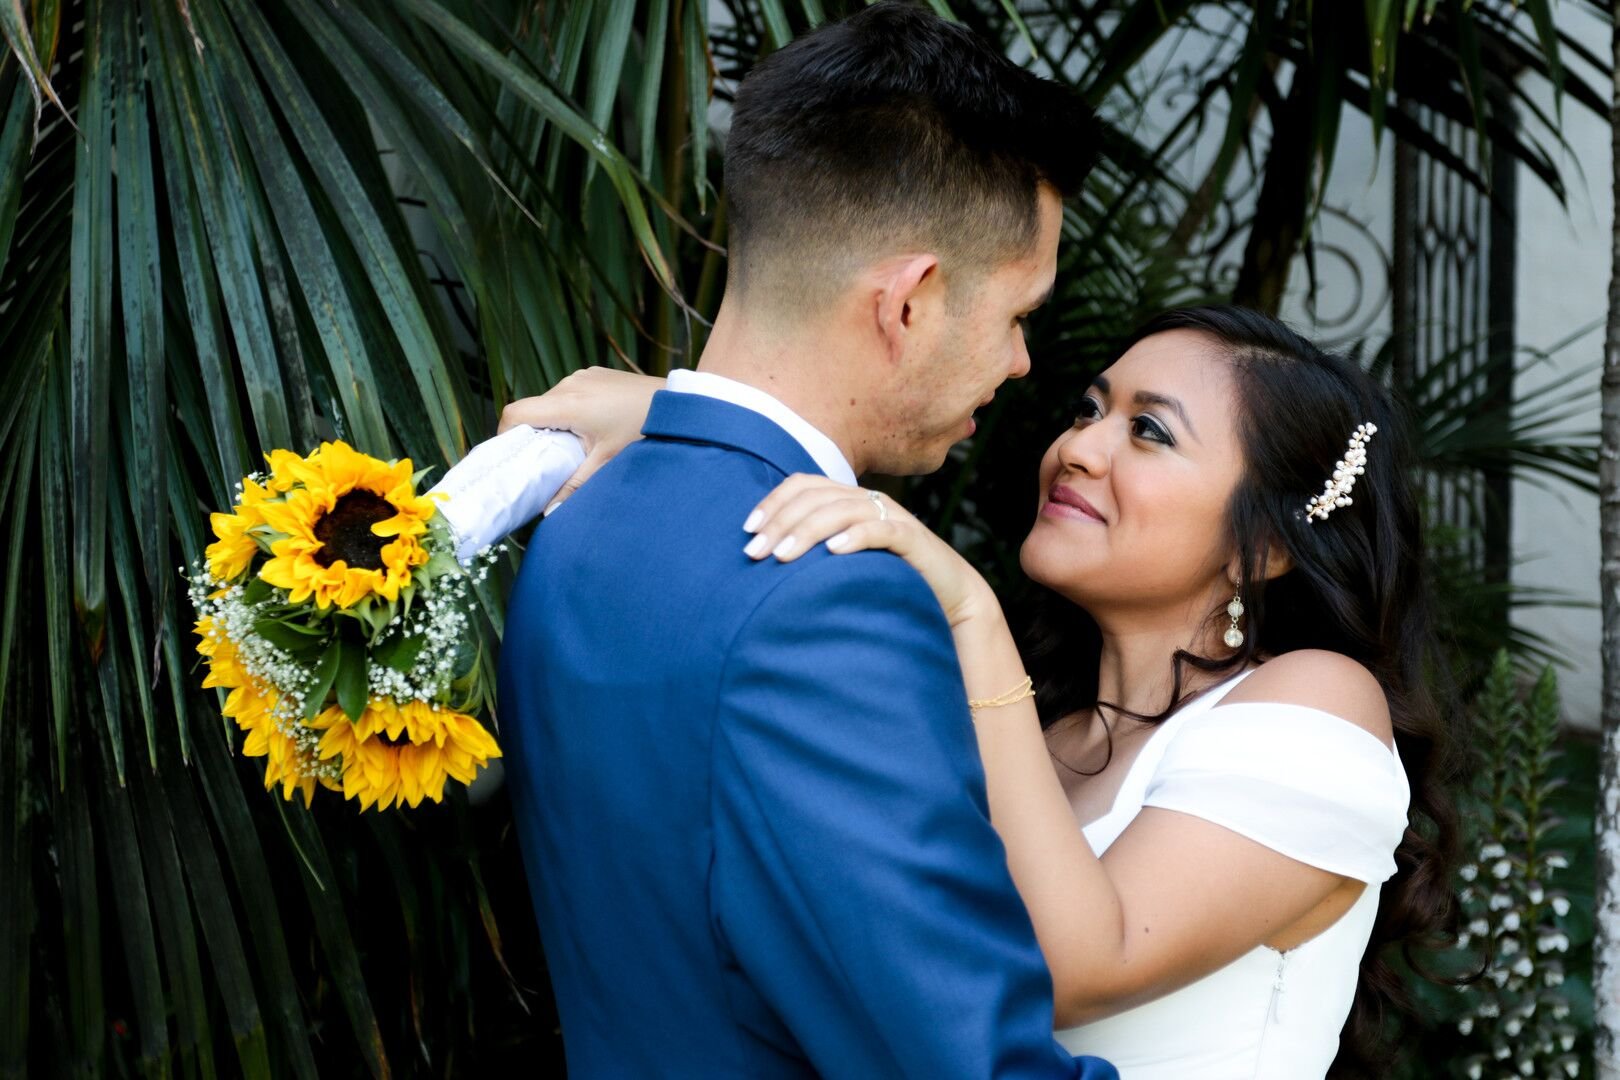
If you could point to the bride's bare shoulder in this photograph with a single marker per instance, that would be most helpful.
(1323, 680)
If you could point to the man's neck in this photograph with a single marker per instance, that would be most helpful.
(784, 369)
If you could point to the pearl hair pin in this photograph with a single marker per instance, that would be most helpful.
(1336, 492)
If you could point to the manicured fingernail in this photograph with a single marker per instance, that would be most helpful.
(839, 542)
(785, 548)
(753, 521)
(549, 509)
(757, 547)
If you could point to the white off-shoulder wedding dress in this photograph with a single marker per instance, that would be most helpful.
(1303, 782)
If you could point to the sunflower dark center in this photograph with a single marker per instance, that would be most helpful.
(345, 531)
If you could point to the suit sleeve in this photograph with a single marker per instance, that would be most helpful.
(857, 881)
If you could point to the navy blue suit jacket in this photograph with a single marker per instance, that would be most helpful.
(750, 804)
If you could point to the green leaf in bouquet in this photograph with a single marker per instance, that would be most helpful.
(441, 563)
(326, 673)
(351, 678)
(257, 592)
(466, 661)
(375, 614)
(399, 652)
(371, 614)
(301, 641)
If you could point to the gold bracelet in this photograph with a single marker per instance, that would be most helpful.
(1025, 689)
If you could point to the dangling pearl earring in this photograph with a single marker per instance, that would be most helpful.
(1234, 635)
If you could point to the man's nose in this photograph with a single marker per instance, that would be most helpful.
(1020, 365)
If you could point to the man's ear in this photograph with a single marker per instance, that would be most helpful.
(901, 282)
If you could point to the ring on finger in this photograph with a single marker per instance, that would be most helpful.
(877, 501)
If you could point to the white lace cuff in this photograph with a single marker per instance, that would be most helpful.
(505, 482)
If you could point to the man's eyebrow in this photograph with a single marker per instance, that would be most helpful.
(1148, 397)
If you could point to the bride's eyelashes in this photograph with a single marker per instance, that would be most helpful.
(1148, 428)
(1145, 427)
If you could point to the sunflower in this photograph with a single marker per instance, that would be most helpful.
(285, 469)
(336, 526)
(235, 546)
(253, 707)
(403, 753)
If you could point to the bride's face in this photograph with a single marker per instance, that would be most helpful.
(1133, 497)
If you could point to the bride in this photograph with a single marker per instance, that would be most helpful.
(1220, 782)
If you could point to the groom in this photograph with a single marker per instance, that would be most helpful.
(750, 805)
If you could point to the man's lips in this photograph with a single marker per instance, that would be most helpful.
(972, 422)
(1066, 502)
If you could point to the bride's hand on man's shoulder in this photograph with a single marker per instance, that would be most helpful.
(603, 406)
(806, 510)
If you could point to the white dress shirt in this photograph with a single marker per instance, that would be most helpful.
(822, 450)
(505, 482)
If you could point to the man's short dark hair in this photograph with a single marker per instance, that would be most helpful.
(892, 130)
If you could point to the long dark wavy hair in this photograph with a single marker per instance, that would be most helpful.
(1355, 586)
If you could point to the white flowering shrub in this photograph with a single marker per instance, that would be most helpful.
(1516, 1021)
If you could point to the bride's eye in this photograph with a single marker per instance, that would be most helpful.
(1090, 409)
(1146, 427)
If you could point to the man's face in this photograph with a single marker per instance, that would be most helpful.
(973, 346)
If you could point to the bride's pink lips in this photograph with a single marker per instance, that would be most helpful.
(1065, 502)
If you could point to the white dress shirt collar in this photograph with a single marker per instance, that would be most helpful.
(822, 450)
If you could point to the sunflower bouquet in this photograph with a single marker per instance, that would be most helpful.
(332, 607)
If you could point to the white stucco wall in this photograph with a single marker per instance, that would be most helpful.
(1563, 285)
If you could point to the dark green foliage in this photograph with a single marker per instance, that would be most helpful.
(1526, 886)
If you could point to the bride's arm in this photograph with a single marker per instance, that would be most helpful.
(1176, 897)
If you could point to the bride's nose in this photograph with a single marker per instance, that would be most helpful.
(1088, 449)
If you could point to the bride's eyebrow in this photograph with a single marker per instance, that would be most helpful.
(1148, 397)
